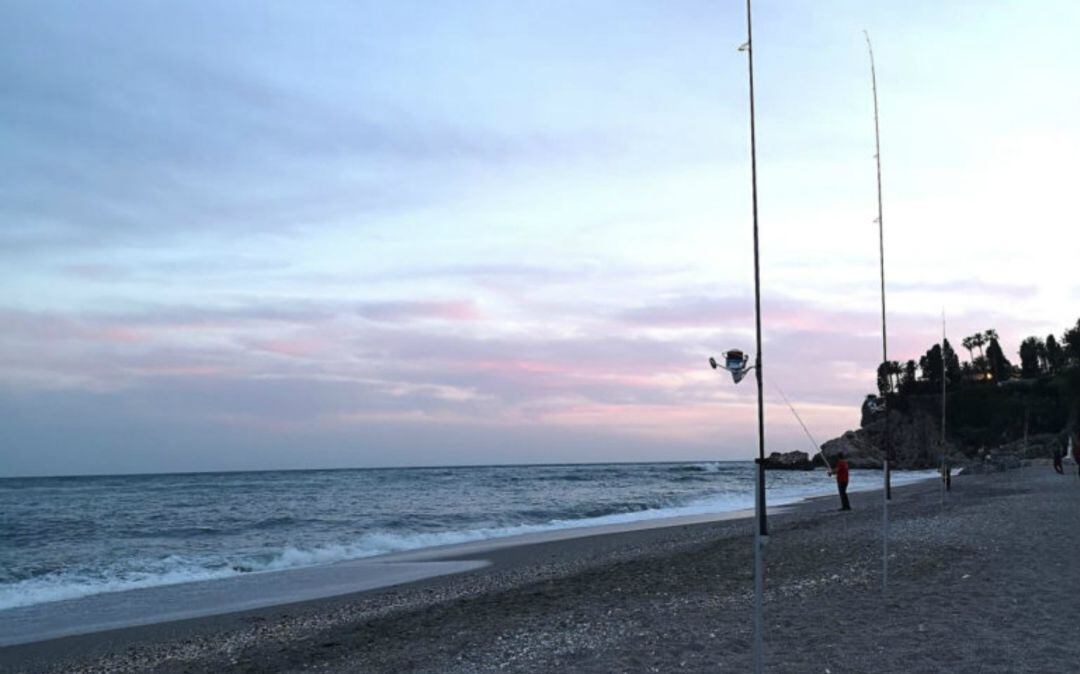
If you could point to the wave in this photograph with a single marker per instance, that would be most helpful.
(59, 586)
(137, 574)
(705, 467)
(566, 477)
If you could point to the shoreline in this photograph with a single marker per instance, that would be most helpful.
(507, 564)
(150, 605)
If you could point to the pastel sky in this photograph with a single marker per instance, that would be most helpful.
(284, 235)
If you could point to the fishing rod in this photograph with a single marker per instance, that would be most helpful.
(806, 430)
(943, 468)
(886, 439)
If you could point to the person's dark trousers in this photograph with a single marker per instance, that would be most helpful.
(844, 503)
(948, 481)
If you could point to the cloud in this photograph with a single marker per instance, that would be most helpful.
(332, 225)
(121, 137)
(691, 312)
(974, 286)
(390, 312)
(83, 432)
(326, 368)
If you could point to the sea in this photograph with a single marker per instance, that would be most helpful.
(62, 538)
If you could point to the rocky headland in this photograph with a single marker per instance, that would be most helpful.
(989, 428)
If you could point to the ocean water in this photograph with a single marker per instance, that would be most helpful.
(70, 537)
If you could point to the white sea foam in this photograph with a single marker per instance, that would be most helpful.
(65, 585)
(709, 466)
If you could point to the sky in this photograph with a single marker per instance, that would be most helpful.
(345, 234)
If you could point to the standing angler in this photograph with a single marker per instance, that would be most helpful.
(841, 472)
(1074, 445)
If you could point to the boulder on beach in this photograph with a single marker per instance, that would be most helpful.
(789, 461)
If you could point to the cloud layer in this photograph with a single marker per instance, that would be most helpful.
(399, 233)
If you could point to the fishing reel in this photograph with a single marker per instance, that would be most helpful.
(735, 362)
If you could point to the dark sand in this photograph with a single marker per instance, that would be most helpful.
(989, 582)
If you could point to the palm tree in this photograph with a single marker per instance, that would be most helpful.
(969, 344)
(978, 340)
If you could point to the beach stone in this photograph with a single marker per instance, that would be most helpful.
(789, 461)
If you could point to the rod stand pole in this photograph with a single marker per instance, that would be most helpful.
(760, 537)
(885, 543)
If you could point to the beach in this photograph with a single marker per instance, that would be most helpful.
(980, 580)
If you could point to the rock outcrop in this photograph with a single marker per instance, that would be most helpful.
(857, 449)
(789, 461)
(916, 442)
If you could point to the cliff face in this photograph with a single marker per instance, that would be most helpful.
(994, 420)
(916, 440)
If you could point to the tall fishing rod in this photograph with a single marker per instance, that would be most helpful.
(887, 444)
(761, 531)
(736, 362)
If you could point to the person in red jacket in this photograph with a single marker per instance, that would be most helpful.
(840, 470)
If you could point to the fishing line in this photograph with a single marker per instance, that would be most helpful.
(817, 447)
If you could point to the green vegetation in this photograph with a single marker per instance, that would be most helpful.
(991, 400)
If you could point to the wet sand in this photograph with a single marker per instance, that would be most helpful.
(984, 583)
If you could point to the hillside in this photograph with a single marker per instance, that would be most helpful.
(991, 405)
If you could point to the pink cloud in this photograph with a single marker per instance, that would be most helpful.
(122, 334)
(606, 376)
(293, 347)
(394, 312)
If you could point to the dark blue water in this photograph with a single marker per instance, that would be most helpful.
(75, 536)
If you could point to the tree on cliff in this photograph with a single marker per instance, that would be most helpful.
(969, 344)
(979, 340)
(1031, 365)
(1071, 338)
(1055, 355)
(1044, 361)
(999, 366)
(952, 364)
(931, 366)
(976, 341)
(909, 379)
(887, 374)
(978, 368)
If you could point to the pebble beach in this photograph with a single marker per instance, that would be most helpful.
(980, 580)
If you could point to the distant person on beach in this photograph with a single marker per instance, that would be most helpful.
(841, 472)
(1058, 468)
(946, 474)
